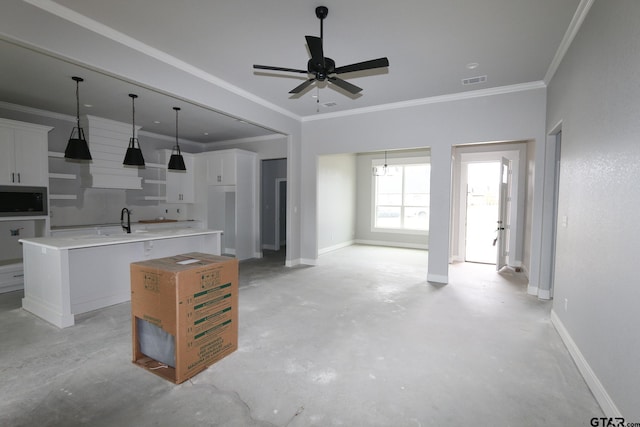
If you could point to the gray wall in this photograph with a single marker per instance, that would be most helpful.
(497, 116)
(595, 95)
(336, 201)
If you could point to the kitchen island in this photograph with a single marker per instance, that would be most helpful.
(66, 276)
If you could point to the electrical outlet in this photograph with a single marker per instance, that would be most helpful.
(566, 304)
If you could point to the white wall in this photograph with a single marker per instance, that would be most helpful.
(336, 201)
(518, 115)
(596, 95)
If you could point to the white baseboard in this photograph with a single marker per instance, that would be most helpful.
(438, 278)
(335, 247)
(537, 292)
(544, 294)
(599, 392)
(392, 244)
(300, 261)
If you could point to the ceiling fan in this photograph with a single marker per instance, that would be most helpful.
(324, 68)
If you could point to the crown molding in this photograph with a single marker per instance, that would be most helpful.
(432, 100)
(37, 112)
(130, 42)
(248, 139)
(569, 35)
(67, 118)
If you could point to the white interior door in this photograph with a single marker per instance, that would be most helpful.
(504, 209)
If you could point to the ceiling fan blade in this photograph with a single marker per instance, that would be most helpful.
(268, 67)
(365, 65)
(315, 48)
(302, 87)
(353, 89)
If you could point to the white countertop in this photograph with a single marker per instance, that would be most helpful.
(91, 240)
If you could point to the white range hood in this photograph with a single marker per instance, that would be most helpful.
(108, 141)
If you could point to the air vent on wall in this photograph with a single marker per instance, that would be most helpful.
(474, 80)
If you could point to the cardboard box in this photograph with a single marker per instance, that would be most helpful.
(184, 312)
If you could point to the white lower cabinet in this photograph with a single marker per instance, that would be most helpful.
(11, 277)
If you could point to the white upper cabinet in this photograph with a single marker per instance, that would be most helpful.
(221, 167)
(181, 184)
(23, 154)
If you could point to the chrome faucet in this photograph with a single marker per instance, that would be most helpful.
(126, 227)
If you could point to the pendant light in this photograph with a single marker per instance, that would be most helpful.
(176, 162)
(77, 147)
(133, 157)
(382, 170)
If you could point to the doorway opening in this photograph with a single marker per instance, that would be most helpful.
(483, 193)
(489, 203)
(273, 209)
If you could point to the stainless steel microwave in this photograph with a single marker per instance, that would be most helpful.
(16, 200)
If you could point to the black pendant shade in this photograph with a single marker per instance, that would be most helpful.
(77, 147)
(134, 156)
(176, 161)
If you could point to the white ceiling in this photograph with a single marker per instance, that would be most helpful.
(428, 42)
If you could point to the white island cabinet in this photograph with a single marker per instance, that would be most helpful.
(66, 276)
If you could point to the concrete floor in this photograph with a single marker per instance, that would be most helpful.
(359, 340)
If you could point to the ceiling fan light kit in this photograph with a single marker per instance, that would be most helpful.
(323, 68)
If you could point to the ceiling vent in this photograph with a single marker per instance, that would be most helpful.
(329, 104)
(474, 80)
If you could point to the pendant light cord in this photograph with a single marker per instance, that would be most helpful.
(177, 145)
(78, 102)
(133, 108)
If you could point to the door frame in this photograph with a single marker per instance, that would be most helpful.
(276, 209)
(516, 151)
(504, 207)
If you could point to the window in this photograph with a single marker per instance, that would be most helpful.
(401, 197)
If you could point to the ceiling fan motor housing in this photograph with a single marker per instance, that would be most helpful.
(321, 71)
